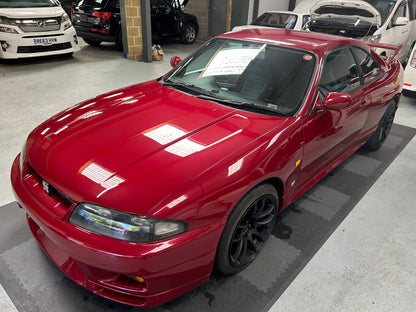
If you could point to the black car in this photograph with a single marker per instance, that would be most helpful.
(99, 21)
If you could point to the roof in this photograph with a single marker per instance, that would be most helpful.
(318, 43)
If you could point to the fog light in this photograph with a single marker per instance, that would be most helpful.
(4, 45)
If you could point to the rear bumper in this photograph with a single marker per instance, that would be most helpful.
(107, 266)
(89, 33)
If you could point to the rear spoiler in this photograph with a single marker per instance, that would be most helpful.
(396, 48)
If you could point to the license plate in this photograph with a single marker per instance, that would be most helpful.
(45, 41)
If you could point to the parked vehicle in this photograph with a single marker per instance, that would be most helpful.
(135, 194)
(99, 21)
(384, 21)
(278, 19)
(67, 5)
(410, 73)
(37, 28)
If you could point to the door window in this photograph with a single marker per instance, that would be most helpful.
(369, 66)
(339, 73)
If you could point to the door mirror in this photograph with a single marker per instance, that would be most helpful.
(175, 60)
(401, 21)
(336, 101)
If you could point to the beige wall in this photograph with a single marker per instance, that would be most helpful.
(134, 29)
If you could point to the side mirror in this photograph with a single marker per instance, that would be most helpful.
(401, 21)
(335, 101)
(175, 60)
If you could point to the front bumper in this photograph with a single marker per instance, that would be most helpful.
(108, 266)
(25, 45)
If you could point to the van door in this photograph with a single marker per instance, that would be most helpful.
(399, 34)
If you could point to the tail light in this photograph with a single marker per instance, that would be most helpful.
(103, 15)
(72, 11)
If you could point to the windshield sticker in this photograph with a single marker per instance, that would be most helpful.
(231, 62)
(307, 57)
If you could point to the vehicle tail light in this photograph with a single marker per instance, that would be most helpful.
(72, 11)
(103, 15)
(100, 31)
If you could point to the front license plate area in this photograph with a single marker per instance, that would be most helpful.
(45, 41)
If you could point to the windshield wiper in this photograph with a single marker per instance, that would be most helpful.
(189, 86)
(241, 104)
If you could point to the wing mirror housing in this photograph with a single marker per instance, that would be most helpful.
(401, 21)
(174, 61)
(335, 101)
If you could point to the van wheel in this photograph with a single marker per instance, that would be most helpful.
(190, 33)
(248, 228)
(93, 42)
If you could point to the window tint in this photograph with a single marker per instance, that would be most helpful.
(339, 73)
(369, 66)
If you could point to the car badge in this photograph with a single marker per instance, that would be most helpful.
(41, 24)
(47, 187)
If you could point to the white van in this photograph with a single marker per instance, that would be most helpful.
(35, 28)
(383, 21)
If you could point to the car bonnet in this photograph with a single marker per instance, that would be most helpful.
(348, 9)
(133, 147)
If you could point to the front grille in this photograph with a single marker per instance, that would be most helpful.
(46, 48)
(39, 24)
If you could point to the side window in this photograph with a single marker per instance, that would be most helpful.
(401, 11)
(369, 66)
(305, 19)
(339, 73)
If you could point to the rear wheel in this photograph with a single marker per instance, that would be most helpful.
(248, 228)
(93, 42)
(383, 129)
(189, 35)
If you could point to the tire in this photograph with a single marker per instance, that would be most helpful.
(190, 33)
(93, 42)
(383, 129)
(248, 228)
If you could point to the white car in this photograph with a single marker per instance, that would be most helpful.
(410, 73)
(278, 19)
(380, 21)
(35, 28)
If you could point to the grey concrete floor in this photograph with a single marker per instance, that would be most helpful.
(369, 262)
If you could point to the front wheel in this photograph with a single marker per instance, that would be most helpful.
(248, 228)
(383, 129)
(190, 33)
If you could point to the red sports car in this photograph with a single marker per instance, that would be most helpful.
(138, 193)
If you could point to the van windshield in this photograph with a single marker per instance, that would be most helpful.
(384, 7)
(28, 3)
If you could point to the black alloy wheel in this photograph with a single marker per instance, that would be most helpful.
(383, 129)
(247, 229)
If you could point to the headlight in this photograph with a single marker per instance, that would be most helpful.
(413, 60)
(375, 38)
(64, 18)
(123, 225)
(65, 21)
(8, 30)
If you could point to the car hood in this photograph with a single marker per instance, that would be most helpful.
(347, 10)
(131, 148)
(32, 12)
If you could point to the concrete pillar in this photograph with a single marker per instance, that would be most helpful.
(134, 29)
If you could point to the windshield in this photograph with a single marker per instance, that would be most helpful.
(254, 76)
(384, 7)
(28, 3)
(279, 20)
